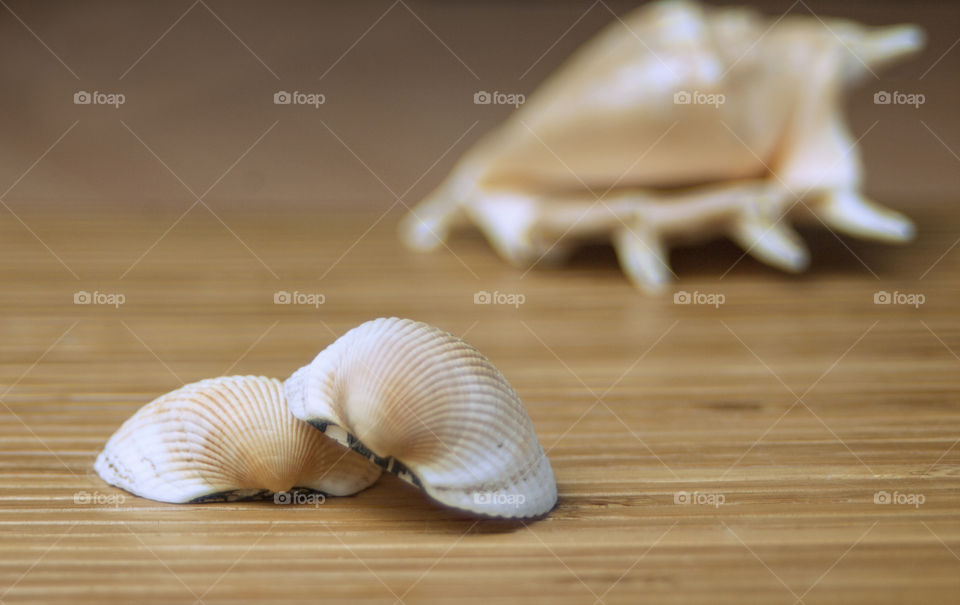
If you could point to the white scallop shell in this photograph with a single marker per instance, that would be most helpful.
(223, 439)
(433, 410)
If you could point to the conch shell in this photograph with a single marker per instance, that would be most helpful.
(227, 438)
(682, 122)
(431, 409)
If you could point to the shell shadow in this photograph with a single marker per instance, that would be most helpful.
(396, 501)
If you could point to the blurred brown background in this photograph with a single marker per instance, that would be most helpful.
(398, 79)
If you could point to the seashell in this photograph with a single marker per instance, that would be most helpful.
(228, 438)
(431, 409)
(679, 123)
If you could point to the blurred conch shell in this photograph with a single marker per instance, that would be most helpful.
(228, 438)
(431, 409)
(679, 122)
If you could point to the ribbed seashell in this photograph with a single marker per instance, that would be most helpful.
(227, 438)
(679, 122)
(431, 409)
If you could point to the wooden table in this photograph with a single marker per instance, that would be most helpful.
(702, 454)
(728, 454)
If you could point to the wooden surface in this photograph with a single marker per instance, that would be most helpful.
(782, 412)
(790, 405)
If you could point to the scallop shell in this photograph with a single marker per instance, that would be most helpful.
(679, 122)
(431, 409)
(227, 438)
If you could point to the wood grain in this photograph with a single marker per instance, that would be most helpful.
(780, 414)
